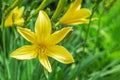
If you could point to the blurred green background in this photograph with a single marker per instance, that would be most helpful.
(94, 46)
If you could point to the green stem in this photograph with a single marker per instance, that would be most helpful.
(56, 24)
(87, 32)
(98, 32)
(15, 3)
(28, 77)
(59, 8)
(99, 25)
(42, 6)
(46, 74)
(19, 71)
(4, 49)
(29, 70)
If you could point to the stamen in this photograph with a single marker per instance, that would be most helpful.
(41, 49)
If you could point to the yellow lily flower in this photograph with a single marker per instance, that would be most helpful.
(44, 43)
(75, 15)
(15, 17)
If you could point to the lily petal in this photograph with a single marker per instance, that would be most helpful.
(77, 15)
(25, 52)
(20, 12)
(27, 34)
(80, 21)
(15, 17)
(45, 62)
(19, 22)
(82, 13)
(42, 26)
(57, 36)
(75, 6)
(8, 22)
(9, 19)
(60, 54)
(77, 21)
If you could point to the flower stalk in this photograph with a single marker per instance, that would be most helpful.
(59, 8)
(15, 3)
(41, 6)
(6, 70)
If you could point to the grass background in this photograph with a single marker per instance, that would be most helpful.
(94, 46)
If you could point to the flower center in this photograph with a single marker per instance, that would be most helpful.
(41, 49)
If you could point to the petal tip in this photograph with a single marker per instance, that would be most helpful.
(18, 29)
(70, 28)
(41, 12)
(12, 55)
(71, 61)
(22, 8)
(50, 70)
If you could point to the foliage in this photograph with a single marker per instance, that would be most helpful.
(94, 46)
